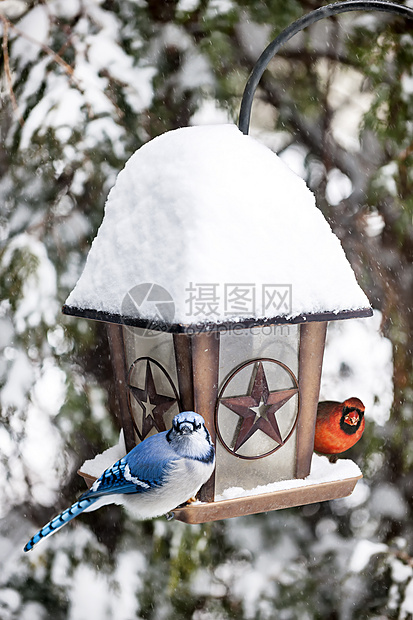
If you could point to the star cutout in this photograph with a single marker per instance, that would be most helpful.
(257, 409)
(153, 405)
(148, 407)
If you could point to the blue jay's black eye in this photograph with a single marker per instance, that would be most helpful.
(198, 426)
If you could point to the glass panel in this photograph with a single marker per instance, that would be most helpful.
(257, 407)
(151, 380)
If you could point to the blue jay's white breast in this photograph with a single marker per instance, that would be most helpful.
(184, 481)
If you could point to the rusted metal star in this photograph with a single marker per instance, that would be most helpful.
(257, 409)
(153, 405)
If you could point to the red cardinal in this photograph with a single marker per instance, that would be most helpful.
(338, 426)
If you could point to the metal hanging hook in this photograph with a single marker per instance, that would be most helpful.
(297, 26)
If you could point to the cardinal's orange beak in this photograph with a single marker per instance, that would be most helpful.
(352, 417)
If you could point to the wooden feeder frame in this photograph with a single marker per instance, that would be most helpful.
(197, 363)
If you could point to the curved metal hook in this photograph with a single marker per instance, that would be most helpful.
(300, 24)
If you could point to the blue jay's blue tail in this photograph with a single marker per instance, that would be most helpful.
(61, 520)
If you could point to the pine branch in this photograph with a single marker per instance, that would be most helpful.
(8, 25)
(7, 71)
(58, 59)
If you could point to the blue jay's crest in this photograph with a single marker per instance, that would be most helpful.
(159, 474)
(191, 437)
(187, 420)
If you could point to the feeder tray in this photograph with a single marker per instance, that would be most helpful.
(306, 493)
(252, 504)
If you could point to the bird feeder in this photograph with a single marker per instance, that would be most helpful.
(216, 275)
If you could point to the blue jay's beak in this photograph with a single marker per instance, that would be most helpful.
(185, 428)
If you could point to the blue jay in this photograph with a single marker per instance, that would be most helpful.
(160, 473)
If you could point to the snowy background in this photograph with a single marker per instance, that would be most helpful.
(84, 84)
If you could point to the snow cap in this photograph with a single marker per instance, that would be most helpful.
(207, 226)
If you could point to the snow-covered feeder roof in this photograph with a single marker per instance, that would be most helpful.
(217, 221)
